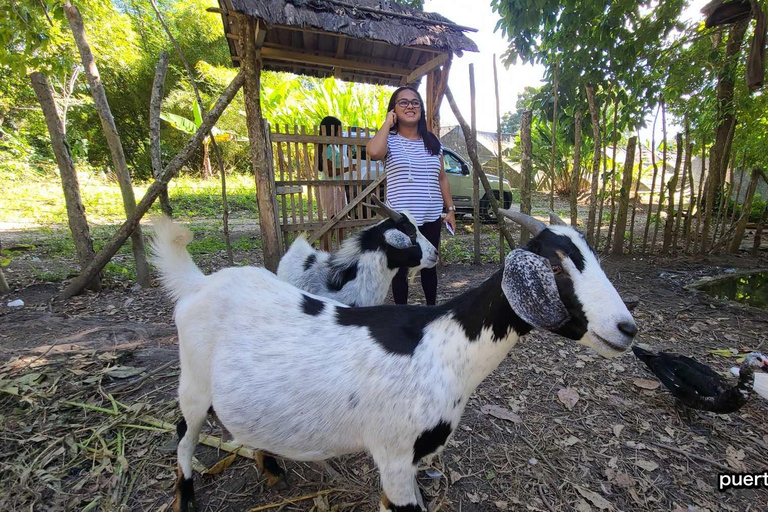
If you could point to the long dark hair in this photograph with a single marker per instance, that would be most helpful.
(431, 143)
(332, 128)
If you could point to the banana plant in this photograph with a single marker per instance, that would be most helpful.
(189, 127)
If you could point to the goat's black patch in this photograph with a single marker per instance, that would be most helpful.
(271, 466)
(185, 494)
(311, 306)
(309, 261)
(404, 508)
(339, 276)
(548, 244)
(408, 257)
(430, 440)
(181, 428)
(397, 329)
(487, 306)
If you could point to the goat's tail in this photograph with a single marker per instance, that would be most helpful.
(178, 272)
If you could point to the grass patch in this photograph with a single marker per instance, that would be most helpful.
(40, 200)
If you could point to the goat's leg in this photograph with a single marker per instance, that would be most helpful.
(269, 467)
(401, 492)
(188, 430)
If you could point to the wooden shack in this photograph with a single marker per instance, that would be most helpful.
(367, 41)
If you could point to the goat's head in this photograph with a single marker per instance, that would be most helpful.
(555, 282)
(405, 245)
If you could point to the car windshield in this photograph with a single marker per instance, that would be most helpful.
(452, 164)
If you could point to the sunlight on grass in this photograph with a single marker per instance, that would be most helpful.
(41, 200)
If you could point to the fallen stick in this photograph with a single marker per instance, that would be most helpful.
(541, 493)
(122, 387)
(694, 456)
(293, 500)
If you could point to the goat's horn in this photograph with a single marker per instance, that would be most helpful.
(555, 220)
(535, 226)
(384, 210)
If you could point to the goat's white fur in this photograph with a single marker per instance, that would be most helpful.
(305, 387)
(370, 286)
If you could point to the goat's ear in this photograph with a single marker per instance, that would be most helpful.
(397, 239)
(530, 287)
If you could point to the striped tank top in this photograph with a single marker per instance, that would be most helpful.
(413, 179)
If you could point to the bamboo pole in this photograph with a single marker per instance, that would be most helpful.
(576, 173)
(662, 186)
(605, 171)
(688, 224)
(653, 182)
(173, 167)
(155, 103)
(472, 150)
(526, 167)
(498, 150)
(626, 185)
(699, 196)
(669, 224)
(637, 190)
(613, 176)
(681, 201)
(595, 118)
(475, 177)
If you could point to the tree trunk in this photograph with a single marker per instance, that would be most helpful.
(626, 186)
(669, 225)
(498, 150)
(476, 166)
(526, 167)
(153, 191)
(595, 163)
(598, 234)
(112, 136)
(741, 226)
(576, 174)
(78, 225)
(722, 211)
(697, 238)
(662, 185)
(554, 147)
(258, 142)
(688, 224)
(653, 182)
(155, 103)
(759, 233)
(613, 174)
(637, 190)
(681, 201)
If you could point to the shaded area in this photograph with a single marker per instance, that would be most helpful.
(750, 289)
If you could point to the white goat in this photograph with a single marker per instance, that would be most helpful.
(306, 378)
(360, 273)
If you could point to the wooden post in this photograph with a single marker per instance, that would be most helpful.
(746, 209)
(526, 167)
(475, 177)
(653, 182)
(626, 186)
(173, 167)
(78, 225)
(576, 173)
(554, 147)
(258, 142)
(663, 173)
(613, 174)
(498, 150)
(113, 137)
(669, 224)
(699, 195)
(686, 170)
(637, 189)
(155, 103)
(472, 150)
(595, 117)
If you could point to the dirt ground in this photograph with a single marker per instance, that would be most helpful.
(87, 407)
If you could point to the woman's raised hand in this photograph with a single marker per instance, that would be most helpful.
(391, 119)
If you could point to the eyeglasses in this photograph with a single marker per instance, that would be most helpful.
(405, 103)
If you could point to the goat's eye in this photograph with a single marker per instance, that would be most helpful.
(557, 269)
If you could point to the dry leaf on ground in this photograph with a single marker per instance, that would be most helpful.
(647, 465)
(735, 458)
(568, 397)
(646, 384)
(594, 498)
(221, 465)
(501, 412)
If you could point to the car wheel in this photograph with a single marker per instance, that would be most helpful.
(486, 212)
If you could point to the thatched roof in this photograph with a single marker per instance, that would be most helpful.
(373, 41)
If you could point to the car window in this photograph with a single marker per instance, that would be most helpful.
(452, 164)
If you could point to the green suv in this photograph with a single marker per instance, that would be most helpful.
(460, 181)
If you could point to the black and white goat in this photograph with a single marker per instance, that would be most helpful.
(360, 273)
(307, 378)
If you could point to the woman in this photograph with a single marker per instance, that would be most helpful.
(416, 180)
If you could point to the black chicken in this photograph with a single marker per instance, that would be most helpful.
(698, 386)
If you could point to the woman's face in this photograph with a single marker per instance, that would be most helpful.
(408, 107)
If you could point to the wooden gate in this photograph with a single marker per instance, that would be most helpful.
(322, 194)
